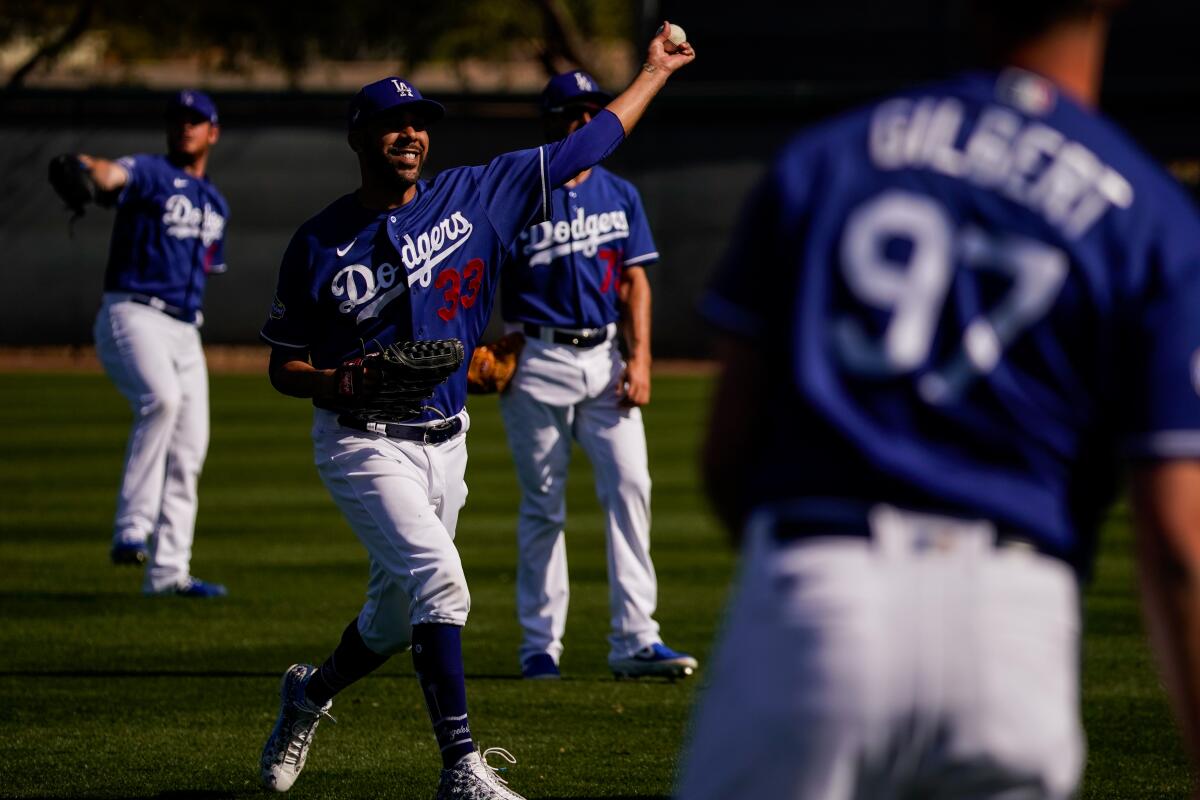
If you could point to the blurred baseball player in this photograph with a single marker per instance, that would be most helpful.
(168, 237)
(946, 317)
(575, 275)
(401, 259)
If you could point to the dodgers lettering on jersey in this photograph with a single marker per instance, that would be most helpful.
(567, 271)
(168, 235)
(979, 294)
(353, 277)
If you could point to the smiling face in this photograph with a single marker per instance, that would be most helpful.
(391, 148)
(190, 135)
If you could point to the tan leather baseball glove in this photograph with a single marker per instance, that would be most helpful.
(493, 365)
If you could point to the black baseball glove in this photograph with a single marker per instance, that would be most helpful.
(73, 183)
(390, 385)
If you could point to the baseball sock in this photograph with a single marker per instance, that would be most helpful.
(348, 662)
(437, 656)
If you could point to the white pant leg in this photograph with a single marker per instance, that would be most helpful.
(134, 344)
(539, 436)
(171, 549)
(615, 442)
(850, 670)
(402, 500)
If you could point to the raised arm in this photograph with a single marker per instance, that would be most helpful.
(631, 104)
(1166, 504)
(592, 143)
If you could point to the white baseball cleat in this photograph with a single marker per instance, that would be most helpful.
(654, 660)
(286, 750)
(472, 778)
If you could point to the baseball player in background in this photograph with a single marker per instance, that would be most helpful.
(946, 318)
(168, 237)
(574, 277)
(408, 259)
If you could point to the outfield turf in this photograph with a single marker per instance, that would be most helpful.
(106, 694)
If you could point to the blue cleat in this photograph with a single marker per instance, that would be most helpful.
(655, 660)
(192, 587)
(132, 553)
(540, 666)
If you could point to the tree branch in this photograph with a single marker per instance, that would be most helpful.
(53, 48)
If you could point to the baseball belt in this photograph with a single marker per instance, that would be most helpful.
(181, 314)
(852, 520)
(583, 337)
(426, 434)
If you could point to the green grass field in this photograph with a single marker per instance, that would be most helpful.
(106, 694)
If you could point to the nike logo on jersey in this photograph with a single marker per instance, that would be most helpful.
(584, 234)
(433, 246)
(341, 251)
(180, 183)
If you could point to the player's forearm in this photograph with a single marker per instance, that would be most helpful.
(630, 106)
(108, 175)
(297, 378)
(1167, 514)
(636, 314)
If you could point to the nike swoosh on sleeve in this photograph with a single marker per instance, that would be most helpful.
(341, 251)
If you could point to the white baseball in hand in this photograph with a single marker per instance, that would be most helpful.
(676, 36)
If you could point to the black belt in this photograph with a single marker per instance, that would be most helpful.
(853, 521)
(431, 434)
(574, 338)
(181, 314)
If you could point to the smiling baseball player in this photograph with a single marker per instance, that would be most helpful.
(168, 237)
(945, 316)
(407, 259)
(575, 276)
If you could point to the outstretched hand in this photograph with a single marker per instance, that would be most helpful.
(658, 57)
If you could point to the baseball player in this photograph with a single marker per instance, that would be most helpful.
(945, 318)
(408, 259)
(575, 275)
(168, 237)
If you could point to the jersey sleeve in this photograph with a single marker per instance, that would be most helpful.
(639, 248)
(515, 187)
(290, 320)
(1163, 402)
(140, 169)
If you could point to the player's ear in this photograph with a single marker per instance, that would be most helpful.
(355, 139)
(214, 133)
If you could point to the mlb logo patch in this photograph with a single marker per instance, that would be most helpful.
(1026, 92)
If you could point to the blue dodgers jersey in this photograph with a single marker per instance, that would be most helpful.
(567, 270)
(168, 235)
(978, 294)
(353, 277)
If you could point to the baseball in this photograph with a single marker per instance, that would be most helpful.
(677, 36)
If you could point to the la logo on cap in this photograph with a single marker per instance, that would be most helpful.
(402, 88)
(582, 82)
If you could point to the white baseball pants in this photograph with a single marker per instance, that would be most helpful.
(925, 662)
(562, 392)
(402, 500)
(157, 363)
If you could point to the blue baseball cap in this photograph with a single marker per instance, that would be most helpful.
(194, 100)
(386, 94)
(572, 88)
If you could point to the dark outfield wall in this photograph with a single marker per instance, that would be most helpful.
(282, 158)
